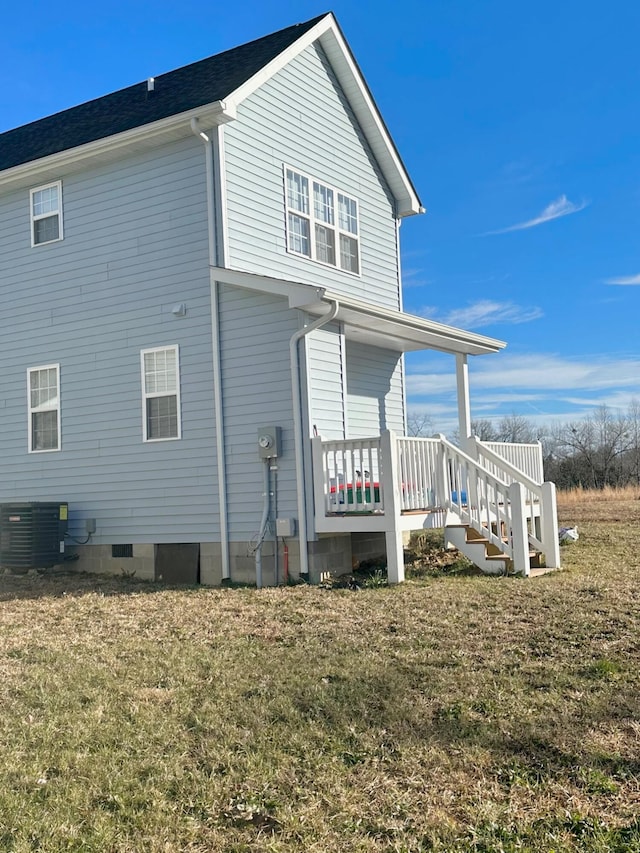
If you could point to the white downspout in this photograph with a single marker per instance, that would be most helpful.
(297, 428)
(217, 257)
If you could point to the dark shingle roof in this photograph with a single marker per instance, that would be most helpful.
(187, 88)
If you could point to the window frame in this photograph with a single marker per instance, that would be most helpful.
(38, 217)
(313, 221)
(147, 395)
(31, 410)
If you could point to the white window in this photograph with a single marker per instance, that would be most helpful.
(43, 387)
(46, 214)
(160, 394)
(322, 223)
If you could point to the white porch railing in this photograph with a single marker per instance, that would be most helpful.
(527, 458)
(386, 476)
(485, 502)
(542, 525)
(351, 475)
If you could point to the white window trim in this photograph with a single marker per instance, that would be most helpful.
(146, 396)
(313, 221)
(31, 411)
(33, 219)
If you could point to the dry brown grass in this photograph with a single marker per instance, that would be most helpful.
(457, 713)
(607, 504)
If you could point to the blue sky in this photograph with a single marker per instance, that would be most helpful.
(519, 124)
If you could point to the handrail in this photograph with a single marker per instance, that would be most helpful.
(527, 458)
(484, 501)
(388, 476)
(535, 493)
(507, 466)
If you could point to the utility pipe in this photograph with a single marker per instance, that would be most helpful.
(297, 427)
(217, 257)
(266, 507)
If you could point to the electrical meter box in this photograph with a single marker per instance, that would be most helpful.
(269, 442)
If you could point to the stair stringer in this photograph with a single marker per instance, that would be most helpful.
(478, 550)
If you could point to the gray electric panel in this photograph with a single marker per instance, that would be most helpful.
(269, 442)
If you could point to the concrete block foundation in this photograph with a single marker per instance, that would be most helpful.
(327, 555)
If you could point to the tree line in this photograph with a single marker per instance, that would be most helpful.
(600, 449)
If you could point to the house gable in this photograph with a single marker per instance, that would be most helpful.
(301, 119)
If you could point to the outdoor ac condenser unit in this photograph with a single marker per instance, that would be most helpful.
(32, 535)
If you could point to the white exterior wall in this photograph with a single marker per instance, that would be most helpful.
(375, 401)
(300, 118)
(256, 383)
(326, 386)
(135, 244)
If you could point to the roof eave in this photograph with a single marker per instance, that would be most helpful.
(218, 112)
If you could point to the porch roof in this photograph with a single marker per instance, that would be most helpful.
(365, 322)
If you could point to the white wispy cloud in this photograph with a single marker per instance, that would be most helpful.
(552, 373)
(535, 376)
(623, 279)
(544, 387)
(558, 208)
(484, 312)
(487, 312)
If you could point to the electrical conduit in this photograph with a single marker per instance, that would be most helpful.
(264, 522)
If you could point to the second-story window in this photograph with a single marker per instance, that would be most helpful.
(322, 222)
(46, 214)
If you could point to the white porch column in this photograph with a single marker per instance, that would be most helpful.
(519, 532)
(464, 403)
(392, 507)
(550, 526)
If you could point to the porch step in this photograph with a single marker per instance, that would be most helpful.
(486, 555)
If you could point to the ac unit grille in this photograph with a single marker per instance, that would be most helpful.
(32, 535)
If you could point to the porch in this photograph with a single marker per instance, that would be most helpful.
(490, 497)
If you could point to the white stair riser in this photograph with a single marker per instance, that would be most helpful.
(456, 537)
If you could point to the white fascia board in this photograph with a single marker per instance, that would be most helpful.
(304, 296)
(330, 38)
(209, 115)
(408, 332)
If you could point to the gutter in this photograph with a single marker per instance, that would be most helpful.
(298, 428)
(69, 159)
(217, 256)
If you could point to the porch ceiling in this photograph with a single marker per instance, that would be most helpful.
(372, 324)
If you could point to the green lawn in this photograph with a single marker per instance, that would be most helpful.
(453, 713)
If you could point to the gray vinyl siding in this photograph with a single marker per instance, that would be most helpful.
(256, 379)
(325, 359)
(375, 399)
(135, 244)
(300, 118)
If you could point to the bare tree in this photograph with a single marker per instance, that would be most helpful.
(484, 430)
(419, 425)
(633, 455)
(517, 429)
(597, 442)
